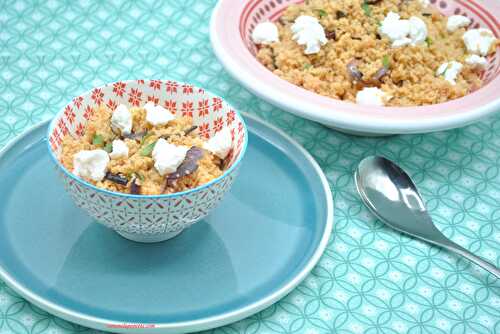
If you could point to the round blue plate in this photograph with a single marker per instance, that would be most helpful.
(262, 241)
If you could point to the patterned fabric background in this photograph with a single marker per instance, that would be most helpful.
(370, 279)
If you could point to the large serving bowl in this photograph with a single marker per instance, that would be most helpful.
(231, 26)
(158, 217)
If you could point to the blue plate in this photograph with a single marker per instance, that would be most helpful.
(262, 241)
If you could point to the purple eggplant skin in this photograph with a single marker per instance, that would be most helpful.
(189, 130)
(134, 187)
(187, 167)
(116, 178)
(135, 136)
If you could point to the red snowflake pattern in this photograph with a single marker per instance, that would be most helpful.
(232, 134)
(63, 129)
(201, 91)
(187, 89)
(69, 113)
(119, 88)
(153, 99)
(240, 127)
(217, 103)
(112, 105)
(60, 123)
(140, 82)
(53, 144)
(187, 109)
(204, 131)
(80, 130)
(218, 124)
(172, 87)
(202, 108)
(97, 95)
(134, 97)
(155, 84)
(57, 137)
(230, 117)
(89, 111)
(240, 141)
(77, 101)
(171, 106)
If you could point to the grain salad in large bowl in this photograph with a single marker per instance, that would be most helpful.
(379, 67)
(147, 158)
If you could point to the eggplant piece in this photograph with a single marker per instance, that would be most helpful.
(189, 130)
(185, 132)
(135, 136)
(340, 14)
(116, 178)
(187, 167)
(134, 187)
(375, 80)
(331, 35)
(354, 72)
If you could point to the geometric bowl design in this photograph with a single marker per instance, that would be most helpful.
(150, 218)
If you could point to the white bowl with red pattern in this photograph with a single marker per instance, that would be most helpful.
(150, 218)
(230, 33)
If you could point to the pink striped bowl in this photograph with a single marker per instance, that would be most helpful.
(230, 29)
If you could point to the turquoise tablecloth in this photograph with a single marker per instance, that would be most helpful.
(370, 278)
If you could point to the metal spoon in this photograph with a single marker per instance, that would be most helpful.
(393, 197)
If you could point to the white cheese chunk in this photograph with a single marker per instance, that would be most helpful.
(476, 61)
(403, 32)
(120, 149)
(168, 157)
(450, 71)
(418, 30)
(157, 115)
(308, 31)
(122, 119)
(220, 143)
(372, 96)
(457, 21)
(265, 33)
(91, 164)
(479, 41)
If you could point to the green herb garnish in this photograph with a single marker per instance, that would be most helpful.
(379, 24)
(386, 61)
(307, 66)
(98, 140)
(322, 13)
(146, 136)
(429, 41)
(366, 9)
(108, 147)
(148, 149)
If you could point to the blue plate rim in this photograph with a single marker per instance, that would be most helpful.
(197, 324)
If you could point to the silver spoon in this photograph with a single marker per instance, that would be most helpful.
(393, 197)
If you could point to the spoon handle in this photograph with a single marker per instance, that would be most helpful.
(450, 245)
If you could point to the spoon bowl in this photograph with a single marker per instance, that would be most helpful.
(390, 194)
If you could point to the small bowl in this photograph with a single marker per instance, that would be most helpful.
(150, 218)
(230, 33)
